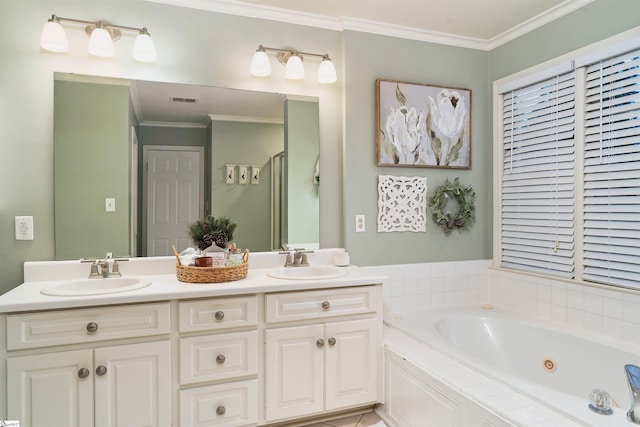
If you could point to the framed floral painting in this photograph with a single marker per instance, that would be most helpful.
(421, 125)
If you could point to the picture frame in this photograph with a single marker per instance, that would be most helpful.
(422, 125)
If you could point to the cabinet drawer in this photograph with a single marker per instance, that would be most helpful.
(224, 405)
(218, 313)
(51, 328)
(216, 357)
(288, 306)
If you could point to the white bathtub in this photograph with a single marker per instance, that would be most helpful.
(514, 350)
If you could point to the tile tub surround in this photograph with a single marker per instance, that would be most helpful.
(596, 308)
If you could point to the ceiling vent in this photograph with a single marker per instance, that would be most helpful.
(183, 99)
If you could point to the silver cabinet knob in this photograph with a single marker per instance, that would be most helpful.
(219, 315)
(220, 410)
(83, 373)
(101, 370)
(220, 359)
(326, 305)
(92, 327)
(320, 342)
(332, 341)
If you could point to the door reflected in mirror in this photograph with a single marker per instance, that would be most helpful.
(161, 152)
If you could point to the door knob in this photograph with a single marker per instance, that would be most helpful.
(101, 370)
(332, 341)
(320, 342)
(219, 315)
(83, 373)
(326, 305)
(220, 359)
(220, 410)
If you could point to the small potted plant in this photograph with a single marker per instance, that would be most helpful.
(212, 233)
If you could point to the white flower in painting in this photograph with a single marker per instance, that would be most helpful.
(405, 130)
(447, 114)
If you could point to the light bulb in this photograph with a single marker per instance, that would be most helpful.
(100, 43)
(295, 69)
(143, 48)
(53, 38)
(260, 65)
(327, 71)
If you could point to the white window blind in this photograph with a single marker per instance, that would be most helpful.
(612, 172)
(537, 216)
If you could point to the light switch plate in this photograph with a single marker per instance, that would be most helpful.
(109, 204)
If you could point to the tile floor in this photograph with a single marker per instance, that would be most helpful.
(370, 419)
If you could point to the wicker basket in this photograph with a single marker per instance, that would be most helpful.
(229, 273)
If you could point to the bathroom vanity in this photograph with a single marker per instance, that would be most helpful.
(257, 351)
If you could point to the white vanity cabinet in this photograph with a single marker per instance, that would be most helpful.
(326, 364)
(101, 384)
(219, 362)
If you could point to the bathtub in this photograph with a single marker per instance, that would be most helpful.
(542, 363)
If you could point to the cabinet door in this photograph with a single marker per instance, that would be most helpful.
(47, 390)
(351, 363)
(133, 385)
(294, 371)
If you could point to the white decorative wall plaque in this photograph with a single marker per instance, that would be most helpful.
(402, 203)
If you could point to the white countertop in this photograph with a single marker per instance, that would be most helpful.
(164, 284)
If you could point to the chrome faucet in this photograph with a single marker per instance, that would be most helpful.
(299, 258)
(633, 375)
(100, 268)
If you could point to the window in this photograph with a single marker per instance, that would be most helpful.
(612, 171)
(570, 173)
(538, 172)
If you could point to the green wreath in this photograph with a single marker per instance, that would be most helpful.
(466, 215)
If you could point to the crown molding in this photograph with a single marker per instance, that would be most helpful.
(234, 7)
(150, 123)
(245, 119)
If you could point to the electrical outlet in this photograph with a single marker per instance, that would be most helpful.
(359, 223)
(24, 228)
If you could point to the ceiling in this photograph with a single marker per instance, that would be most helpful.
(477, 24)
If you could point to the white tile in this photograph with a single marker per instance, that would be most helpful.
(449, 269)
(437, 284)
(630, 311)
(593, 322)
(575, 317)
(424, 271)
(612, 327)
(593, 303)
(397, 288)
(559, 313)
(397, 304)
(410, 271)
(631, 331)
(612, 308)
(424, 301)
(411, 287)
(437, 269)
(543, 310)
(543, 292)
(424, 286)
(575, 299)
(437, 299)
(559, 295)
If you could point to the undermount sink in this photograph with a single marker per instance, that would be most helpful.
(308, 273)
(99, 286)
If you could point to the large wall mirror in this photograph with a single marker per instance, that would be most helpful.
(136, 162)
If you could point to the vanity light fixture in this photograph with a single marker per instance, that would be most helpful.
(101, 37)
(292, 60)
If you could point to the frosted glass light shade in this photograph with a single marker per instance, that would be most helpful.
(143, 48)
(260, 65)
(295, 69)
(327, 72)
(100, 43)
(53, 38)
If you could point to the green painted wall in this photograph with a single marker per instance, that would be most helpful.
(249, 144)
(91, 156)
(372, 57)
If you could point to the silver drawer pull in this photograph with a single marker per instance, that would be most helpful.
(332, 341)
(326, 305)
(92, 327)
(83, 373)
(220, 359)
(320, 342)
(101, 370)
(220, 410)
(219, 315)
